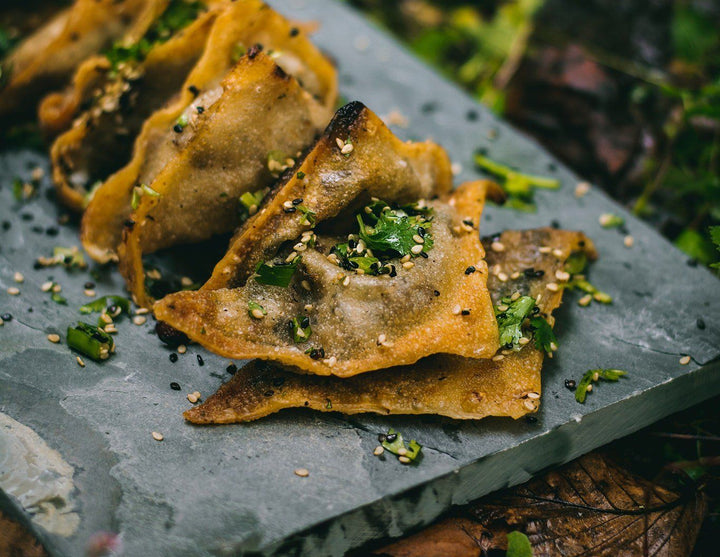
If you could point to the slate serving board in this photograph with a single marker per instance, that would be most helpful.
(231, 490)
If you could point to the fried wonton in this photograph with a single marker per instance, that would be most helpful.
(46, 59)
(460, 388)
(240, 25)
(347, 308)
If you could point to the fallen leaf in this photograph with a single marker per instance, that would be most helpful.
(590, 507)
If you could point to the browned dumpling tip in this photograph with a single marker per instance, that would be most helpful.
(451, 386)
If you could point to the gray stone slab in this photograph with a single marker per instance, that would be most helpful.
(231, 490)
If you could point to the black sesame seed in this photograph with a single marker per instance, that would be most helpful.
(173, 357)
(465, 312)
(200, 109)
(200, 360)
(89, 285)
(305, 323)
(468, 222)
(231, 369)
(352, 244)
(472, 115)
(297, 201)
(6, 225)
(692, 262)
(700, 323)
(421, 232)
(129, 224)
(393, 272)
(269, 393)
(535, 310)
(6, 317)
(52, 231)
(470, 270)
(391, 437)
(27, 216)
(177, 128)
(570, 384)
(113, 309)
(353, 264)
(291, 327)
(508, 346)
(175, 386)
(294, 32)
(555, 224)
(317, 353)
(436, 292)
(289, 209)
(531, 419)
(423, 254)
(37, 229)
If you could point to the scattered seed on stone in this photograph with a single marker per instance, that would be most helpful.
(404, 459)
(629, 241)
(379, 450)
(157, 436)
(685, 360)
(13, 291)
(302, 472)
(19, 278)
(585, 300)
(497, 246)
(80, 361)
(54, 338)
(139, 320)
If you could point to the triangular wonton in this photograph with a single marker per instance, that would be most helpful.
(239, 26)
(451, 386)
(411, 283)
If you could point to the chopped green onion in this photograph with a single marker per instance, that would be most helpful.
(308, 215)
(301, 330)
(594, 375)
(249, 203)
(238, 52)
(138, 192)
(182, 121)
(394, 443)
(69, 257)
(101, 304)
(58, 298)
(278, 274)
(576, 263)
(580, 283)
(610, 220)
(90, 341)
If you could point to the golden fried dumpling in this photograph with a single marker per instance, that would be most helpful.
(46, 59)
(460, 388)
(409, 280)
(241, 25)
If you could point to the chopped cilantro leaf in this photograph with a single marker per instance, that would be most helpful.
(393, 233)
(103, 303)
(510, 320)
(278, 274)
(542, 332)
(300, 328)
(308, 215)
(594, 375)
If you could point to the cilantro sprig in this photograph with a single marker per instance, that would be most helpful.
(391, 231)
(276, 274)
(593, 376)
(394, 443)
(510, 316)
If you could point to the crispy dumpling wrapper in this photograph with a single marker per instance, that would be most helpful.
(101, 138)
(222, 154)
(241, 25)
(354, 323)
(452, 386)
(47, 58)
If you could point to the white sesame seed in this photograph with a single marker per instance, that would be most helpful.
(557, 252)
(19, 278)
(402, 451)
(106, 318)
(418, 239)
(302, 472)
(182, 349)
(361, 247)
(89, 293)
(496, 269)
(685, 360)
(553, 346)
(529, 404)
(537, 300)
(291, 257)
(139, 320)
(533, 395)
(405, 258)
(299, 247)
(257, 313)
(110, 328)
(347, 149)
(379, 450)
(582, 189)
(629, 241)
(300, 333)
(13, 291)
(52, 337)
(416, 249)
(502, 277)
(186, 281)
(340, 143)
(404, 459)
(497, 246)
(552, 286)
(37, 174)
(80, 361)
(154, 274)
(522, 341)
(408, 265)
(605, 219)
(589, 388)
(56, 288)
(515, 296)
(346, 280)
(585, 300)
(456, 309)
(308, 307)
(192, 398)
(498, 358)
(503, 307)
(544, 249)
(381, 338)
(142, 311)
(288, 204)
(157, 436)
(330, 362)
(562, 276)
(46, 286)
(596, 376)
(332, 258)
(515, 275)
(305, 284)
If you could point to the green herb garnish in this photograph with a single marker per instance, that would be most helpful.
(576, 262)
(138, 193)
(715, 237)
(581, 283)
(277, 274)
(352, 262)
(58, 298)
(518, 545)
(510, 320)
(594, 375)
(71, 258)
(22, 190)
(104, 303)
(543, 334)
(300, 329)
(394, 443)
(255, 310)
(308, 215)
(610, 220)
(519, 187)
(249, 203)
(300, 175)
(392, 232)
(90, 341)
